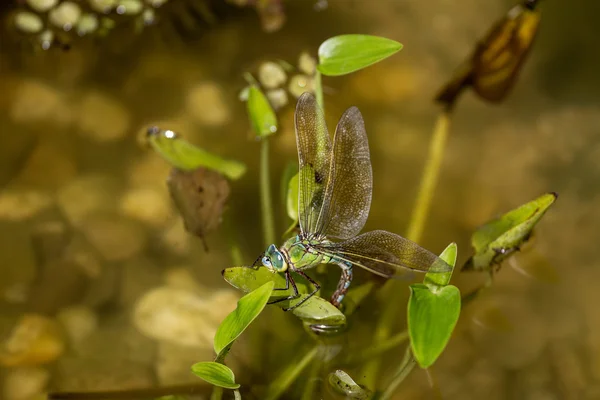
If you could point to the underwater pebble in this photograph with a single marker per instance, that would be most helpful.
(116, 237)
(182, 278)
(129, 7)
(35, 340)
(65, 16)
(271, 75)
(16, 205)
(46, 39)
(41, 5)
(156, 3)
(278, 98)
(28, 22)
(205, 103)
(149, 205)
(307, 64)
(85, 195)
(150, 170)
(102, 6)
(78, 321)
(180, 316)
(35, 101)
(87, 24)
(103, 118)
(102, 372)
(25, 383)
(176, 239)
(300, 84)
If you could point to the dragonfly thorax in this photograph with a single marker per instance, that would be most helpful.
(274, 260)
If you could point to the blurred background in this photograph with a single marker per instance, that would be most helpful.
(101, 288)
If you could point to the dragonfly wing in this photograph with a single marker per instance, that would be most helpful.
(348, 192)
(314, 156)
(385, 254)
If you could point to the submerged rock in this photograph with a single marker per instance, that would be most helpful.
(206, 104)
(182, 317)
(35, 340)
(25, 383)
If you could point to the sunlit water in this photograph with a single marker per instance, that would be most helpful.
(112, 248)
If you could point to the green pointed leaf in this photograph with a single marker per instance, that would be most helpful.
(443, 278)
(432, 316)
(344, 54)
(345, 385)
(261, 114)
(185, 156)
(499, 238)
(216, 374)
(313, 311)
(248, 308)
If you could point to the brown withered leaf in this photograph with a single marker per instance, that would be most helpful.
(493, 67)
(200, 196)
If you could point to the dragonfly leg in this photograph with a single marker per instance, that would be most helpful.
(311, 294)
(294, 295)
(343, 285)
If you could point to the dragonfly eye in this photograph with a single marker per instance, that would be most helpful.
(266, 262)
(278, 262)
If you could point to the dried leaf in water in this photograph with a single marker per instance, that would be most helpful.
(200, 196)
(493, 67)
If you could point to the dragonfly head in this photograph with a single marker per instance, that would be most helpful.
(274, 260)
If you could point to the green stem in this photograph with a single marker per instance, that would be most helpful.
(265, 194)
(289, 375)
(430, 177)
(379, 348)
(408, 363)
(415, 230)
(319, 90)
(309, 387)
(217, 393)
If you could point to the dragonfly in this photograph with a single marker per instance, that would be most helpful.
(335, 185)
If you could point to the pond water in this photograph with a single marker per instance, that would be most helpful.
(102, 289)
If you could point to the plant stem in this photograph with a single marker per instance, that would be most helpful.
(217, 393)
(237, 395)
(415, 230)
(379, 348)
(309, 387)
(430, 176)
(319, 91)
(289, 375)
(408, 363)
(265, 194)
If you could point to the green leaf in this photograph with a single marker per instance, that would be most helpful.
(292, 198)
(248, 308)
(262, 116)
(498, 239)
(185, 156)
(355, 296)
(313, 311)
(216, 374)
(443, 278)
(345, 385)
(432, 316)
(344, 54)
